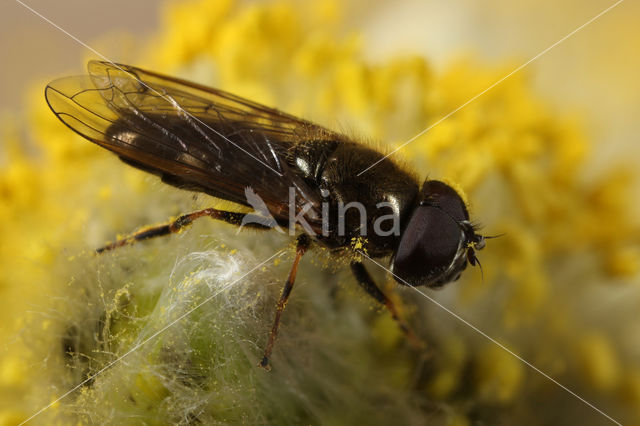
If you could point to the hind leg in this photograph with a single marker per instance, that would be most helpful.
(178, 224)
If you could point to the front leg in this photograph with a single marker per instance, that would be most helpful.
(367, 283)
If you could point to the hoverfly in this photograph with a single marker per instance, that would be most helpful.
(207, 140)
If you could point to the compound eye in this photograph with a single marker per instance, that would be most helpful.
(442, 195)
(428, 247)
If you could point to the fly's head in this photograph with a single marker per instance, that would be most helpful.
(438, 241)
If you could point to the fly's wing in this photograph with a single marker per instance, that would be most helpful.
(192, 136)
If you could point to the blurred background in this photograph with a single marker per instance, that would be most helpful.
(594, 70)
(548, 156)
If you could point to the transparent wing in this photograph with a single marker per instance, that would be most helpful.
(192, 136)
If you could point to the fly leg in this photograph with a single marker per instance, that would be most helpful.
(178, 224)
(302, 246)
(367, 283)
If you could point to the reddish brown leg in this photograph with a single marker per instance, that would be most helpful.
(367, 283)
(301, 248)
(172, 227)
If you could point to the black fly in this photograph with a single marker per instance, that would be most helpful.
(305, 175)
